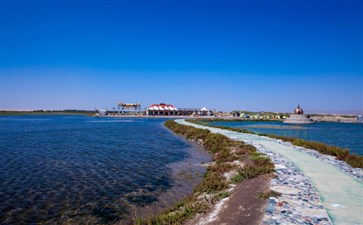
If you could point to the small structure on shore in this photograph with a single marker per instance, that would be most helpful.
(122, 109)
(298, 117)
(127, 107)
(163, 109)
(101, 112)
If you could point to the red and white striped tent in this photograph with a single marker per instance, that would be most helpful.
(161, 109)
(162, 106)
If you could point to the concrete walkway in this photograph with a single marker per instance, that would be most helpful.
(341, 195)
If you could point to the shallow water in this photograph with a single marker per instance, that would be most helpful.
(344, 135)
(78, 169)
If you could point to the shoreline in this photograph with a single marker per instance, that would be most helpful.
(185, 174)
(315, 118)
(341, 206)
(234, 165)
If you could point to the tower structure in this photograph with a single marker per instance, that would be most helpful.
(298, 117)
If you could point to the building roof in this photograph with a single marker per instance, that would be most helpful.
(162, 106)
(298, 110)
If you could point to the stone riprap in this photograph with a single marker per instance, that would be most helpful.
(299, 202)
(311, 184)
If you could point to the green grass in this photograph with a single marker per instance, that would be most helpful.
(222, 167)
(238, 178)
(178, 214)
(211, 183)
(221, 195)
(261, 165)
(250, 172)
(261, 160)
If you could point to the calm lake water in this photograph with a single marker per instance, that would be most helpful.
(345, 135)
(85, 170)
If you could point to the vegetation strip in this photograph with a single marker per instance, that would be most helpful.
(299, 202)
(229, 157)
(356, 161)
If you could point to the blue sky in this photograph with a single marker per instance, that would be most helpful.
(254, 55)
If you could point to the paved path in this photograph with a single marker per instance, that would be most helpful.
(341, 195)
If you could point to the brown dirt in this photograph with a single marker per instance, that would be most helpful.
(242, 207)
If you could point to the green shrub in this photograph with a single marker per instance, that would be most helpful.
(217, 142)
(221, 195)
(222, 168)
(212, 183)
(355, 160)
(250, 172)
(178, 214)
(260, 160)
(268, 194)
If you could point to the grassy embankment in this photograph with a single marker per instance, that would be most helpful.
(231, 156)
(354, 160)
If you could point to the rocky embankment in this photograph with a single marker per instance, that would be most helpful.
(334, 118)
(299, 202)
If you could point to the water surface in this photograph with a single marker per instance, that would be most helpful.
(344, 135)
(79, 169)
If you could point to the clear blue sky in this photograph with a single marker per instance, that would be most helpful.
(255, 55)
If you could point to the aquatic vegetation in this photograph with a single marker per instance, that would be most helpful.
(356, 161)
